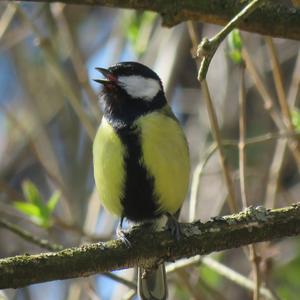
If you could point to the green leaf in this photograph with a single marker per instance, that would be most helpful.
(33, 212)
(33, 196)
(235, 46)
(39, 212)
(236, 56)
(53, 201)
(296, 119)
(235, 40)
(31, 193)
(28, 209)
(138, 28)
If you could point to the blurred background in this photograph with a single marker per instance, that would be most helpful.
(49, 113)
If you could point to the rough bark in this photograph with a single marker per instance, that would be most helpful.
(147, 247)
(272, 18)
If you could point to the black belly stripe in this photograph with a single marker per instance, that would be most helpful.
(139, 201)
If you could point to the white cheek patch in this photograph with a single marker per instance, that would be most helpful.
(140, 87)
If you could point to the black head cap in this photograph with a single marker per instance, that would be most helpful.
(129, 68)
(130, 89)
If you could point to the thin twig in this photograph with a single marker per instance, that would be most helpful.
(221, 269)
(57, 10)
(59, 75)
(277, 75)
(267, 99)
(206, 51)
(262, 138)
(242, 169)
(129, 295)
(255, 259)
(196, 180)
(242, 128)
(17, 35)
(279, 154)
(191, 26)
(217, 136)
(192, 290)
(236, 277)
(294, 89)
(208, 47)
(91, 292)
(266, 96)
(211, 150)
(120, 279)
(55, 179)
(200, 166)
(6, 18)
(274, 173)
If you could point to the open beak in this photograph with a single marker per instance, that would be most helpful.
(108, 77)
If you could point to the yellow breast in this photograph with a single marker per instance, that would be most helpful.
(166, 157)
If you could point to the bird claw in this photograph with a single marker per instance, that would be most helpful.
(121, 234)
(174, 227)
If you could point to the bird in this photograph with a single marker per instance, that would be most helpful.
(140, 156)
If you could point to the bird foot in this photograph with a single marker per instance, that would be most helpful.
(122, 234)
(173, 226)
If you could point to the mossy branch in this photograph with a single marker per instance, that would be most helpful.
(272, 18)
(147, 247)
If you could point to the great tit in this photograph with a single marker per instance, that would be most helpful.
(141, 156)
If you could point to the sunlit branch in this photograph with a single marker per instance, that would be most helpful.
(148, 247)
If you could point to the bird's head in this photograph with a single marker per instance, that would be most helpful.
(130, 89)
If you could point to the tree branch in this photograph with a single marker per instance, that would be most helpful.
(148, 247)
(273, 19)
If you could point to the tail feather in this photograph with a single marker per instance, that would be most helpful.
(153, 284)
